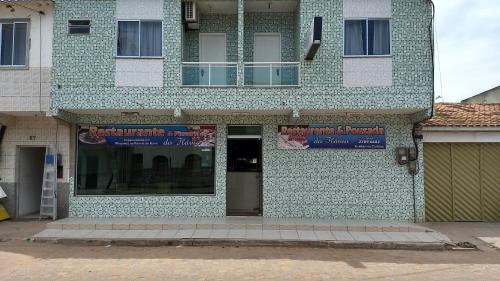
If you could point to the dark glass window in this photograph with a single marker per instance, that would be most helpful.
(355, 37)
(14, 41)
(379, 38)
(145, 170)
(139, 38)
(367, 37)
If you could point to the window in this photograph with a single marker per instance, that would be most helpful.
(139, 39)
(171, 160)
(13, 43)
(105, 170)
(367, 37)
(79, 26)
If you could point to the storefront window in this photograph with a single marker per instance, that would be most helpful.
(126, 166)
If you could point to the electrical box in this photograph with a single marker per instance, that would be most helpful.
(402, 155)
(412, 154)
(412, 167)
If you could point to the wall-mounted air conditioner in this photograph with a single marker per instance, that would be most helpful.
(191, 15)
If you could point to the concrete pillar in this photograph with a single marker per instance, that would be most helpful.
(241, 41)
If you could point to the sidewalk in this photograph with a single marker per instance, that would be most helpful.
(248, 231)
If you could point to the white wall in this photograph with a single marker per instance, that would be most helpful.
(139, 72)
(492, 96)
(46, 32)
(31, 131)
(28, 89)
(367, 71)
(461, 136)
(367, 8)
(143, 9)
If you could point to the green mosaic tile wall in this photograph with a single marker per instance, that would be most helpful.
(282, 23)
(227, 24)
(323, 183)
(84, 65)
(371, 184)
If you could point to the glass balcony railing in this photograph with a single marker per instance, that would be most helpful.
(271, 74)
(210, 74)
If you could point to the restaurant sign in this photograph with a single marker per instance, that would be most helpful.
(331, 136)
(149, 135)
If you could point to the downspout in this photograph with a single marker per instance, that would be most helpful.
(415, 125)
(40, 13)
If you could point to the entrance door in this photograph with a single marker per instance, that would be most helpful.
(213, 49)
(462, 182)
(30, 178)
(267, 48)
(244, 173)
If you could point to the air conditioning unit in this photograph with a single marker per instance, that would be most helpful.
(190, 11)
(191, 15)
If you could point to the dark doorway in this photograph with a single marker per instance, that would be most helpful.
(244, 175)
(30, 179)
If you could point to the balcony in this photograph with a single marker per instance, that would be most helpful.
(272, 74)
(210, 74)
(269, 35)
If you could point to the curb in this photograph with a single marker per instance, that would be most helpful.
(442, 246)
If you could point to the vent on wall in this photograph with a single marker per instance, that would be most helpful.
(79, 26)
(191, 15)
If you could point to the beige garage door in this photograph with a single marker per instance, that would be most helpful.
(462, 181)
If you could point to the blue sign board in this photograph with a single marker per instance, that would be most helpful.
(331, 136)
(145, 135)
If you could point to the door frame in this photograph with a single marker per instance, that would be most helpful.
(271, 65)
(201, 34)
(268, 34)
(261, 180)
(17, 173)
(200, 49)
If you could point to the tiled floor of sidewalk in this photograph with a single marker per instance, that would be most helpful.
(279, 235)
(240, 228)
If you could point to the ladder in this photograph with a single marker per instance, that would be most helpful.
(48, 201)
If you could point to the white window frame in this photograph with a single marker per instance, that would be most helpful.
(367, 34)
(14, 22)
(139, 56)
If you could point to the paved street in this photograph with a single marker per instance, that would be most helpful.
(24, 260)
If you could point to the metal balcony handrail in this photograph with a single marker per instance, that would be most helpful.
(270, 66)
(210, 65)
(275, 62)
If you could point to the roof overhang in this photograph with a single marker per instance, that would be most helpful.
(460, 129)
(35, 5)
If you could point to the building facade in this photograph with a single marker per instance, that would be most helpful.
(490, 96)
(209, 108)
(461, 157)
(28, 129)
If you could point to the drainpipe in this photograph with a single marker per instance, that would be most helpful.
(415, 125)
(40, 13)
